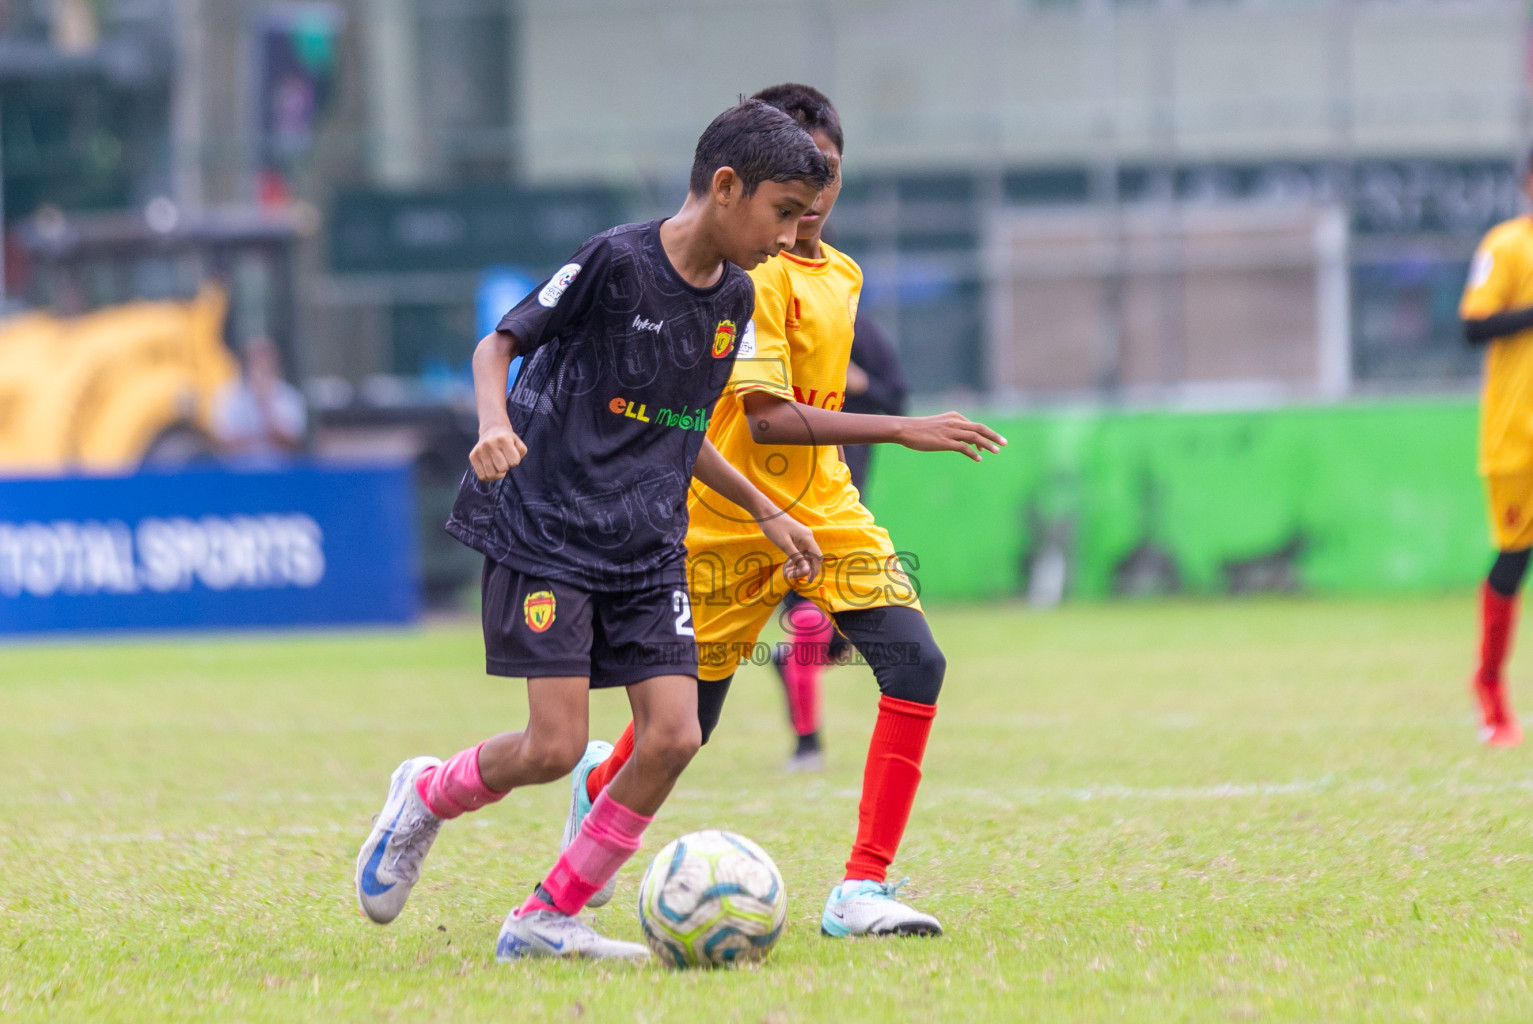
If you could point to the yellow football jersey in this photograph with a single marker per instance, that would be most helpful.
(1500, 280)
(798, 350)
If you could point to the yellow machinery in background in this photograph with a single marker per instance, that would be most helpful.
(131, 338)
(96, 392)
(134, 324)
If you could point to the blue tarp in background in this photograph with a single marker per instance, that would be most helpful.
(303, 546)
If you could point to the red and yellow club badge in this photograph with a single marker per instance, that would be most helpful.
(539, 609)
(723, 339)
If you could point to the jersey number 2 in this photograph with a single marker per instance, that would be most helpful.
(682, 606)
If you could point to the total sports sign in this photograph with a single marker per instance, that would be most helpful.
(294, 547)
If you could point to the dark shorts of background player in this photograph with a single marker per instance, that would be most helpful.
(614, 639)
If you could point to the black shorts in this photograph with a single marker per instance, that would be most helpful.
(536, 627)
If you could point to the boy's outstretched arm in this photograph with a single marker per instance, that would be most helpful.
(794, 538)
(776, 420)
(498, 448)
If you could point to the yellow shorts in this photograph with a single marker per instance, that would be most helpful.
(1510, 497)
(736, 585)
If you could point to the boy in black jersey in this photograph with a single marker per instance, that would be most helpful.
(577, 499)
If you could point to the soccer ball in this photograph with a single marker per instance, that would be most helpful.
(712, 898)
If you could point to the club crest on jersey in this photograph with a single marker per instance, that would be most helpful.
(539, 609)
(723, 339)
(549, 296)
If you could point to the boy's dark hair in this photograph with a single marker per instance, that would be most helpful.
(807, 105)
(761, 143)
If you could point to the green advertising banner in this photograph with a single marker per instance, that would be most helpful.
(1327, 499)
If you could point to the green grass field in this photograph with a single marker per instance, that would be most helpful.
(1269, 810)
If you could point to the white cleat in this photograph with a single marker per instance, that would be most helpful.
(869, 908)
(597, 751)
(549, 933)
(389, 863)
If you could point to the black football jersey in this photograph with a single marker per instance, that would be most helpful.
(624, 362)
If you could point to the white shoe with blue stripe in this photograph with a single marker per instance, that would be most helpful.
(389, 863)
(597, 751)
(861, 907)
(548, 933)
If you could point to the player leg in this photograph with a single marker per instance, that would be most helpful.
(532, 629)
(643, 641)
(603, 761)
(425, 792)
(1512, 530)
(666, 737)
(897, 643)
(799, 664)
(725, 627)
(1498, 624)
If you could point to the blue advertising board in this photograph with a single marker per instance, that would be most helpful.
(305, 546)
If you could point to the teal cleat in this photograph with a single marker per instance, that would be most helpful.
(597, 751)
(861, 907)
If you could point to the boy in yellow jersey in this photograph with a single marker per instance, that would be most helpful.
(1497, 310)
(875, 383)
(780, 422)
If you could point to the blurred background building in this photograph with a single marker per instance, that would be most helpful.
(1265, 196)
(1163, 203)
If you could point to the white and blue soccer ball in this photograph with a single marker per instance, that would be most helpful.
(712, 898)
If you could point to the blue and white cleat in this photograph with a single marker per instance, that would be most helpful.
(389, 863)
(869, 908)
(549, 933)
(597, 751)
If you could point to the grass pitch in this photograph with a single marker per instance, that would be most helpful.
(1271, 810)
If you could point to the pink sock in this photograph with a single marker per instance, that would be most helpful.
(608, 837)
(809, 629)
(456, 787)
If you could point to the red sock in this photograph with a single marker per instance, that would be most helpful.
(1498, 624)
(889, 783)
(809, 629)
(605, 772)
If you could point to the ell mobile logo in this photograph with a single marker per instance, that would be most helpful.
(686, 419)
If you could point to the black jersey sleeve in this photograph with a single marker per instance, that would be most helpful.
(562, 300)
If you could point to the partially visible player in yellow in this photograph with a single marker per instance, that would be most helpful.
(779, 422)
(1497, 310)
